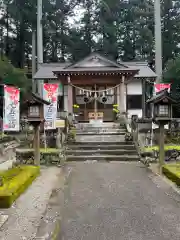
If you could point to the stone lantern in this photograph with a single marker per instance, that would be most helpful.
(161, 105)
(34, 107)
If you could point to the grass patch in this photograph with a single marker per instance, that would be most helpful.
(166, 147)
(172, 171)
(15, 182)
(49, 150)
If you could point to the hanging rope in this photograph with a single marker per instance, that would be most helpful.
(94, 91)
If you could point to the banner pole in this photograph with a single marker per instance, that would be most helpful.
(45, 138)
(3, 112)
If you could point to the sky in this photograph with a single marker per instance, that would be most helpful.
(78, 14)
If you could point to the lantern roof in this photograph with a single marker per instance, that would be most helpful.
(34, 98)
(164, 96)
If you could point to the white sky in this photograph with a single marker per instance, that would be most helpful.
(78, 14)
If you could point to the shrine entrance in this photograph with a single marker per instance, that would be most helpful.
(95, 103)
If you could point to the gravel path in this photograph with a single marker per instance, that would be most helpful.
(117, 201)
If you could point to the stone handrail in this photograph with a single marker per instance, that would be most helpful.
(132, 128)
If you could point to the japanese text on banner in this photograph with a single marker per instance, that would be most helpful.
(50, 92)
(11, 109)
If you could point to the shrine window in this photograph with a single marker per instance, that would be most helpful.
(134, 101)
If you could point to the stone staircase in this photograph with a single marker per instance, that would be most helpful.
(102, 143)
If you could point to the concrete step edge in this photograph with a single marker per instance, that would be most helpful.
(103, 156)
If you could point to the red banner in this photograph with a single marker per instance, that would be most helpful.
(11, 108)
(161, 86)
(50, 93)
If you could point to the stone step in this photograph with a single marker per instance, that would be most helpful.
(99, 133)
(101, 128)
(99, 143)
(91, 146)
(91, 125)
(100, 138)
(119, 152)
(103, 158)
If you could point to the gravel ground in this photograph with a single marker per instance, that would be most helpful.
(118, 201)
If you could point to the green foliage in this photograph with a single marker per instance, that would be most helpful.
(15, 182)
(48, 156)
(72, 29)
(6, 138)
(166, 148)
(172, 171)
(13, 76)
(171, 75)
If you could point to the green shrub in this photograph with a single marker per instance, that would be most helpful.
(166, 147)
(71, 137)
(6, 138)
(48, 156)
(15, 182)
(172, 171)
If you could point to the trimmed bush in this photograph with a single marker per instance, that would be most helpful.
(172, 171)
(6, 138)
(167, 147)
(49, 156)
(15, 182)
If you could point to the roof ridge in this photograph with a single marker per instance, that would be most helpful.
(137, 63)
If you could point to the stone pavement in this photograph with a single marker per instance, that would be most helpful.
(7, 164)
(118, 201)
(27, 212)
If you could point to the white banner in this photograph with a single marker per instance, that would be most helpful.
(11, 113)
(50, 93)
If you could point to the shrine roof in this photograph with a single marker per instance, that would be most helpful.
(33, 98)
(144, 70)
(94, 63)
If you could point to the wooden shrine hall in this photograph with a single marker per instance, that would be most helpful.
(96, 83)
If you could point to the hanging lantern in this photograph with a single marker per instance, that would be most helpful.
(86, 99)
(104, 99)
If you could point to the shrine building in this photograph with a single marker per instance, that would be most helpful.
(96, 83)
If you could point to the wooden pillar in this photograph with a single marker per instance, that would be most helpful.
(95, 103)
(143, 82)
(70, 99)
(118, 97)
(70, 96)
(122, 95)
(161, 147)
(36, 145)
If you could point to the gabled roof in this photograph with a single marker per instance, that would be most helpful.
(164, 94)
(96, 60)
